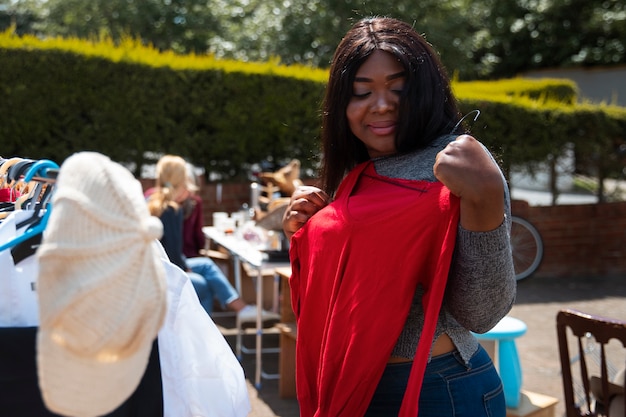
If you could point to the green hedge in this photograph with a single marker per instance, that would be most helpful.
(132, 102)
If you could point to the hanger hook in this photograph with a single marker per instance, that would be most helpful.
(39, 167)
(464, 117)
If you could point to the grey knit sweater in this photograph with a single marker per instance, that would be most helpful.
(481, 286)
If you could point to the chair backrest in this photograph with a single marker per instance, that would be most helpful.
(597, 391)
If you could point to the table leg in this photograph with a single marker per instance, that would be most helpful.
(259, 327)
(237, 272)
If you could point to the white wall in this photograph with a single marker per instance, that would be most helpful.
(603, 84)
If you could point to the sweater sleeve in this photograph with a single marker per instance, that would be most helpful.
(481, 287)
(193, 236)
(199, 237)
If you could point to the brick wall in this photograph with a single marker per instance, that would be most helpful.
(232, 196)
(579, 240)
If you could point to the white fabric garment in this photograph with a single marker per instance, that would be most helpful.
(201, 375)
(18, 297)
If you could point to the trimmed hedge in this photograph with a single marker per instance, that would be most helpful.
(132, 102)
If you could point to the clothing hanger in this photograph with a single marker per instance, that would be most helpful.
(28, 247)
(17, 172)
(7, 183)
(36, 224)
(13, 175)
(40, 182)
(41, 166)
(463, 118)
(4, 168)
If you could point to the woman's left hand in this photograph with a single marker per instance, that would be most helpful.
(305, 201)
(469, 173)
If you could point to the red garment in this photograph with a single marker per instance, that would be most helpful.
(9, 195)
(193, 236)
(355, 268)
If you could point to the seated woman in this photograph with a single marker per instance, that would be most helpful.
(167, 201)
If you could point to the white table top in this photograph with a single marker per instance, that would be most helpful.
(246, 251)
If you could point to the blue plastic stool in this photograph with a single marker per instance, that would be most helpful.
(507, 360)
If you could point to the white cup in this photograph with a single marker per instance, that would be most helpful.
(219, 217)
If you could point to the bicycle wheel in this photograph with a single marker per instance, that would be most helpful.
(527, 247)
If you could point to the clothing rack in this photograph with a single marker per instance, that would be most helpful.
(31, 184)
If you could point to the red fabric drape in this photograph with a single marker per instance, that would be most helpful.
(355, 268)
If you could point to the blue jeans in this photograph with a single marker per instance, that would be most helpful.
(450, 388)
(210, 283)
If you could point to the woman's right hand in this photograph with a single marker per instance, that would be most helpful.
(305, 201)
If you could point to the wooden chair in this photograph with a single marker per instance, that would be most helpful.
(598, 391)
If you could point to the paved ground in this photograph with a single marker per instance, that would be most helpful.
(537, 304)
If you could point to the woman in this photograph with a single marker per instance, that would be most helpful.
(165, 201)
(404, 251)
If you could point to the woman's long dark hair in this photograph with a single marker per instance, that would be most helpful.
(428, 108)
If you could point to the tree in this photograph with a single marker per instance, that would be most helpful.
(180, 25)
(476, 39)
(20, 17)
(531, 34)
(295, 31)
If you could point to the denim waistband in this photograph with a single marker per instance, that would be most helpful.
(446, 361)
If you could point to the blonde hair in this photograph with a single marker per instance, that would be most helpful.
(192, 180)
(171, 173)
